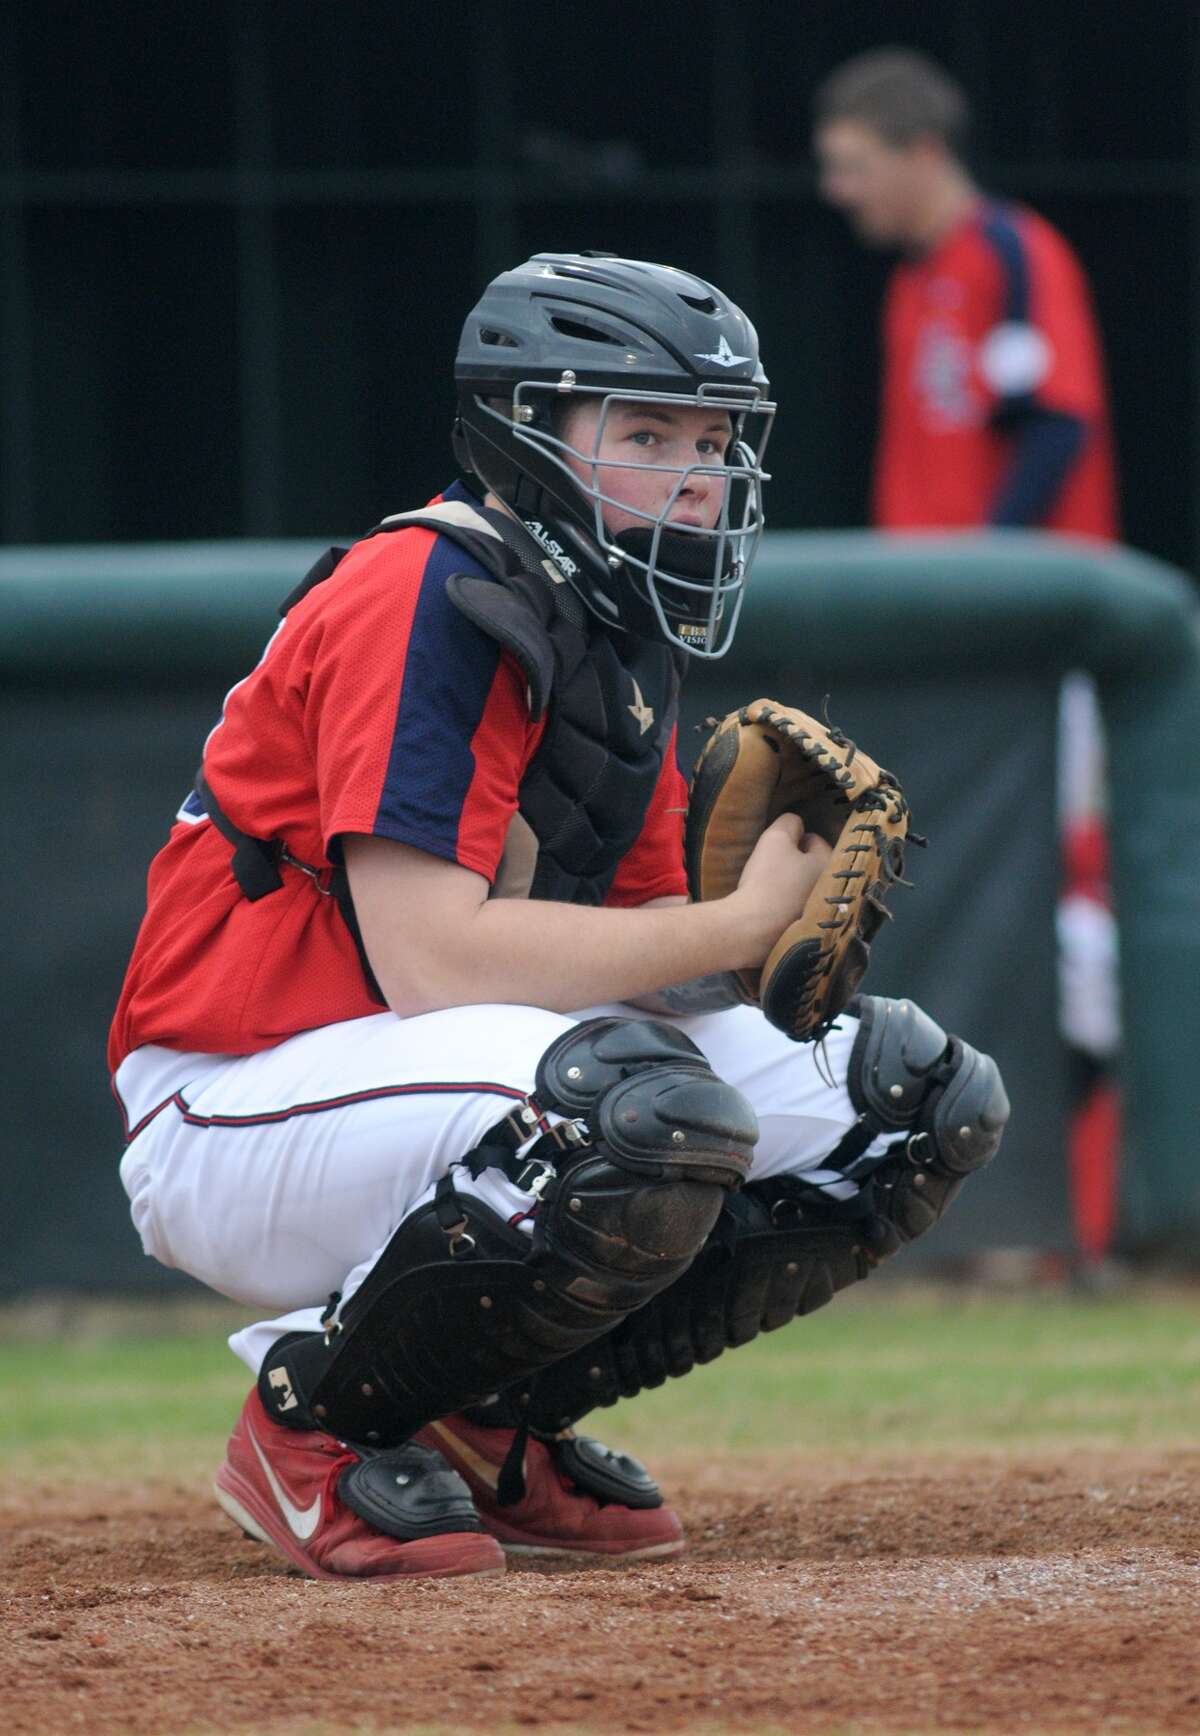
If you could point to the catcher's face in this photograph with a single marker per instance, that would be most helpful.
(667, 488)
(645, 461)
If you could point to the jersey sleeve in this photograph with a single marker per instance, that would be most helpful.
(654, 868)
(1043, 351)
(417, 721)
(1046, 446)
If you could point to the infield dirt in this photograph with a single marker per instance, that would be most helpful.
(965, 1594)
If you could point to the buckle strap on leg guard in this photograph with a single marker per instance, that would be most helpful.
(603, 1473)
(532, 1169)
(510, 1484)
(452, 1218)
(597, 1470)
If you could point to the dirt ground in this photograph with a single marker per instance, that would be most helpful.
(967, 1594)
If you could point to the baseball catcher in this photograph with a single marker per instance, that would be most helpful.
(441, 1050)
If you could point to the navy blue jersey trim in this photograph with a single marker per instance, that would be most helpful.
(449, 672)
(1045, 450)
(1001, 232)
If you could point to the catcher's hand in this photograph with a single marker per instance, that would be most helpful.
(769, 759)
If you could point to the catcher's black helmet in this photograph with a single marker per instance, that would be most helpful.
(566, 329)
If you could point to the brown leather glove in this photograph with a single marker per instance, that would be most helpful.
(769, 759)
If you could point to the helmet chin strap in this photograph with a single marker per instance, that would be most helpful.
(679, 556)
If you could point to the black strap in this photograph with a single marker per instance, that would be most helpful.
(848, 1155)
(447, 1206)
(538, 1164)
(510, 1484)
(320, 570)
(339, 885)
(256, 868)
(255, 862)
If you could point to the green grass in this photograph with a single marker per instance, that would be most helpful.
(932, 1370)
(893, 1370)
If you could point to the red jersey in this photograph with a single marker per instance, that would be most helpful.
(995, 319)
(376, 708)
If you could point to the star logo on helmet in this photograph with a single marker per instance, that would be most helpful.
(723, 356)
(640, 710)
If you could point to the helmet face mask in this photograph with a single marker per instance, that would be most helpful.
(627, 534)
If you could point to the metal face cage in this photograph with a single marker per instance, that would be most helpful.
(696, 592)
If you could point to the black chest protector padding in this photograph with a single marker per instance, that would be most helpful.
(588, 788)
(512, 620)
(610, 701)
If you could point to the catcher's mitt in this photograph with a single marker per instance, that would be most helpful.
(769, 759)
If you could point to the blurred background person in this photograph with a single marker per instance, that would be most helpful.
(994, 408)
(993, 412)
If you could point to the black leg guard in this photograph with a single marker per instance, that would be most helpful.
(907, 1076)
(768, 1260)
(460, 1304)
(783, 1248)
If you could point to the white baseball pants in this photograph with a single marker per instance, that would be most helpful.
(279, 1178)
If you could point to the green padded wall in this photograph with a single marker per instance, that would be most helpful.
(942, 654)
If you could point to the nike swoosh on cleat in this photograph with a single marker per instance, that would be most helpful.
(483, 1470)
(302, 1521)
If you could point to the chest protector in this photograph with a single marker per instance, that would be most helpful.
(609, 701)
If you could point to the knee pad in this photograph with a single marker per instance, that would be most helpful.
(907, 1076)
(460, 1304)
(665, 1137)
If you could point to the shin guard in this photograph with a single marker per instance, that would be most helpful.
(461, 1304)
(768, 1260)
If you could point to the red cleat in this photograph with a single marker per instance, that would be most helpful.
(305, 1493)
(555, 1515)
